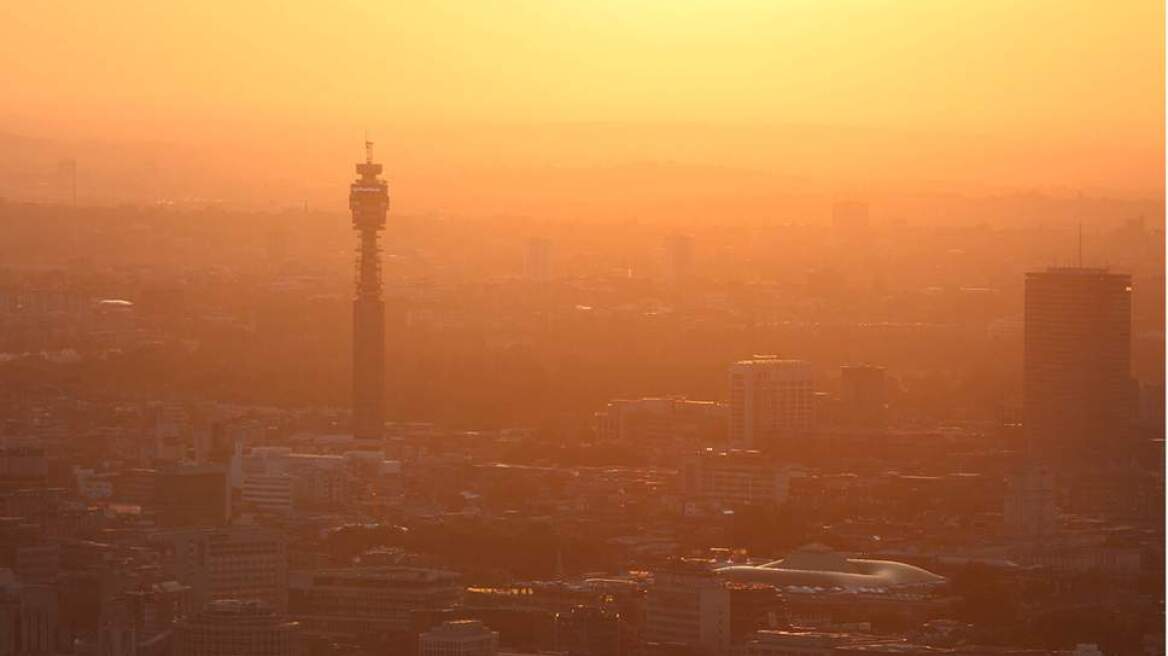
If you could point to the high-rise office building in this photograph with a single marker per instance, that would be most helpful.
(369, 203)
(1079, 393)
(688, 605)
(239, 628)
(770, 400)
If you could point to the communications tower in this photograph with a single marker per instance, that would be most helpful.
(369, 202)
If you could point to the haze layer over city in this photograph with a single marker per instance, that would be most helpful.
(732, 328)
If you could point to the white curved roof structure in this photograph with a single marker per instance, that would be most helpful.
(817, 566)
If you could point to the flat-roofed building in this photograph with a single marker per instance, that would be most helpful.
(229, 563)
(639, 421)
(688, 605)
(459, 638)
(369, 599)
(736, 477)
(771, 401)
(234, 627)
(270, 493)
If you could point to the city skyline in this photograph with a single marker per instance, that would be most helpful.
(712, 328)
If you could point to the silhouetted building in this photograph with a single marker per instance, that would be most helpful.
(228, 563)
(1030, 513)
(28, 618)
(459, 638)
(588, 631)
(369, 203)
(154, 608)
(770, 400)
(234, 627)
(193, 495)
(368, 599)
(136, 486)
(267, 492)
(641, 421)
(753, 606)
(733, 478)
(688, 605)
(1079, 392)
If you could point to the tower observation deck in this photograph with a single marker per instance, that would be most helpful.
(369, 203)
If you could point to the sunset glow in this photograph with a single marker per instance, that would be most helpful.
(998, 95)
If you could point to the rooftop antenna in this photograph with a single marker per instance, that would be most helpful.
(368, 149)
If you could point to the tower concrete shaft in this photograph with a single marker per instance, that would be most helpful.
(369, 203)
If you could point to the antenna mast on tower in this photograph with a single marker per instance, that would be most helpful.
(369, 203)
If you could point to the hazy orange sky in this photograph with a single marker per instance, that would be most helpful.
(498, 96)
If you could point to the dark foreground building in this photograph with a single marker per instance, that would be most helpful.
(369, 203)
(1079, 392)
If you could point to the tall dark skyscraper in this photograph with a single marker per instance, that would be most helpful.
(1079, 392)
(369, 203)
